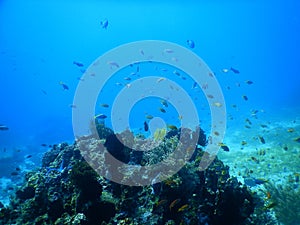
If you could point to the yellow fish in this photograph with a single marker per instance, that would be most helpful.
(182, 208)
(172, 127)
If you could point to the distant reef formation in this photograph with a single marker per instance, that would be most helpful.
(66, 190)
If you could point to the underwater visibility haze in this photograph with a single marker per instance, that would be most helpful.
(247, 56)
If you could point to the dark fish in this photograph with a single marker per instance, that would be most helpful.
(14, 173)
(104, 23)
(3, 127)
(65, 87)
(100, 116)
(249, 82)
(253, 181)
(164, 102)
(245, 97)
(234, 70)
(297, 139)
(248, 121)
(18, 169)
(262, 140)
(146, 127)
(260, 181)
(79, 64)
(162, 110)
(190, 43)
(28, 156)
(194, 85)
(224, 147)
(44, 145)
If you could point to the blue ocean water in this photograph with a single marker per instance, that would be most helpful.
(40, 40)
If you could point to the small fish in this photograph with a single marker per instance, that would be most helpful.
(248, 121)
(18, 169)
(80, 79)
(161, 202)
(183, 208)
(268, 195)
(14, 173)
(100, 116)
(44, 145)
(175, 202)
(72, 106)
(28, 156)
(260, 181)
(127, 78)
(113, 64)
(79, 64)
(243, 143)
(119, 84)
(270, 206)
(146, 127)
(264, 125)
(224, 147)
(234, 70)
(104, 105)
(290, 130)
(65, 87)
(104, 24)
(3, 127)
(172, 127)
(210, 96)
(254, 159)
(234, 106)
(247, 126)
(44, 92)
(217, 104)
(164, 102)
(195, 84)
(225, 70)
(297, 139)
(245, 97)
(149, 116)
(262, 140)
(249, 82)
(176, 73)
(190, 43)
(216, 133)
(167, 50)
(162, 110)
(160, 79)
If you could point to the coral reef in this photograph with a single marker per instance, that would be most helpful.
(285, 201)
(66, 190)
